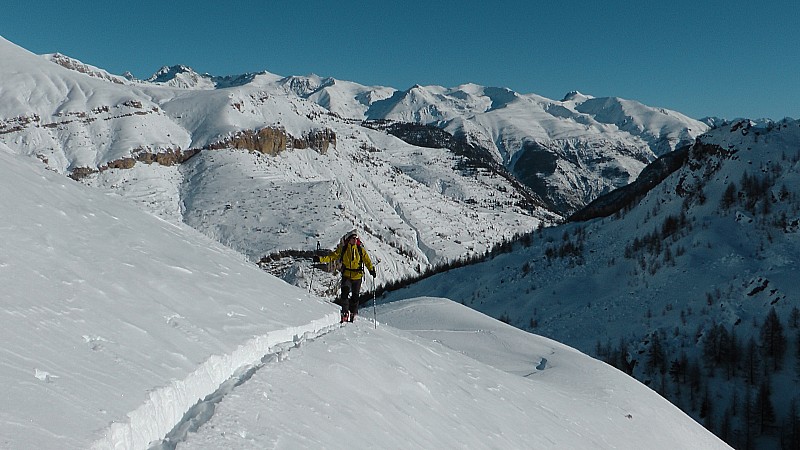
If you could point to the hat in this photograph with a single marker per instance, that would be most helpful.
(352, 234)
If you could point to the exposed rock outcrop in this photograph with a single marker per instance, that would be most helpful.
(319, 140)
(74, 64)
(166, 157)
(273, 140)
(268, 140)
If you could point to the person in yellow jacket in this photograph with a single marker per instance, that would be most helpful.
(354, 258)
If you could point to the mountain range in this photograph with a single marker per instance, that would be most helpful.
(513, 162)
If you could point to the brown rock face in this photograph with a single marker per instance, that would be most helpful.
(273, 140)
(269, 141)
(319, 140)
(166, 157)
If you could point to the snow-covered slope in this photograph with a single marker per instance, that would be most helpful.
(71, 119)
(714, 246)
(115, 322)
(403, 396)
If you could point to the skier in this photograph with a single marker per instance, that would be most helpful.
(354, 258)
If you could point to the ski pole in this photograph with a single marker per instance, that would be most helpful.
(374, 290)
(311, 284)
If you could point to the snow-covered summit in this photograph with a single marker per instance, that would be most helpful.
(576, 97)
(181, 76)
(184, 77)
(595, 144)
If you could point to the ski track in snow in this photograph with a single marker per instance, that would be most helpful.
(178, 401)
(202, 411)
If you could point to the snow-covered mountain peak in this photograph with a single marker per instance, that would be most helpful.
(664, 130)
(183, 77)
(575, 97)
(566, 157)
(585, 148)
(304, 86)
(472, 88)
(166, 73)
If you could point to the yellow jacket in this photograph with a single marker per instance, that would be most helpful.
(354, 258)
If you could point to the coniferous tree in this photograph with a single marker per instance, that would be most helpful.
(797, 354)
(794, 318)
(724, 347)
(656, 357)
(706, 410)
(711, 349)
(751, 362)
(725, 426)
(728, 196)
(735, 354)
(764, 408)
(772, 339)
(684, 362)
(677, 369)
(695, 380)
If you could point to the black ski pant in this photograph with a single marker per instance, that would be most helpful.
(349, 298)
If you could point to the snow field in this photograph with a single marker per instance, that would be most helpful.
(436, 374)
(116, 321)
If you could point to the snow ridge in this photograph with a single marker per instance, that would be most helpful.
(166, 405)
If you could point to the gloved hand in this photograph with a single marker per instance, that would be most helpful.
(372, 272)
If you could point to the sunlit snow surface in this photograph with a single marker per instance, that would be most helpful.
(435, 374)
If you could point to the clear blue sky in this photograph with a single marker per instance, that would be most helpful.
(702, 58)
